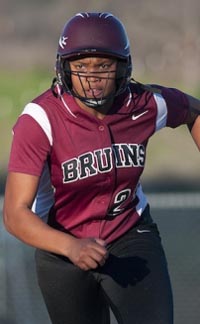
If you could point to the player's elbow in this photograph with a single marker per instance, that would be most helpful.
(7, 219)
(10, 219)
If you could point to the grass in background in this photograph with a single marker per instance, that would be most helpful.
(17, 89)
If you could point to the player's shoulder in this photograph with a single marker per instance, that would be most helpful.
(141, 88)
(163, 90)
(41, 108)
(169, 97)
(157, 90)
(153, 88)
(49, 102)
(46, 96)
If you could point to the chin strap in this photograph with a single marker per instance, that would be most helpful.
(92, 102)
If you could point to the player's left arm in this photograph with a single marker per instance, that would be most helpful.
(194, 126)
(195, 131)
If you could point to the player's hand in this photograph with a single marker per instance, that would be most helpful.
(88, 253)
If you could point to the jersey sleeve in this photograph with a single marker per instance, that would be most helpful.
(178, 111)
(30, 147)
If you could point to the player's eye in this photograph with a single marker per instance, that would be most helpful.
(105, 66)
(79, 66)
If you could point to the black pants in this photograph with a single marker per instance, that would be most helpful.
(134, 283)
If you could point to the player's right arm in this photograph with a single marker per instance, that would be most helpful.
(29, 152)
(21, 222)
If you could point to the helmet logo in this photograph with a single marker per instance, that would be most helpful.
(62, 41)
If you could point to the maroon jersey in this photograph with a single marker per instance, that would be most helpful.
(94, 165)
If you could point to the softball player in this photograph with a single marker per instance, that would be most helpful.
(80, 149)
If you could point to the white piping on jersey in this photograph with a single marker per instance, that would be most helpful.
(130, 97)
(39, 115)
(161, 119)
(63, 101)
(142, 200)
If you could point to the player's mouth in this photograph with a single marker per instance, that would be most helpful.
(94, 92)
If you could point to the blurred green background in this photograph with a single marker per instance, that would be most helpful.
(165, 42)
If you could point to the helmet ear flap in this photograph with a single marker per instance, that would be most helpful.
(63, 73)
(67, 74)
(124, 70)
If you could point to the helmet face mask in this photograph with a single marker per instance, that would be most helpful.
(94, 80)
(93, 35)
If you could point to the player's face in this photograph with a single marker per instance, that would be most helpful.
(93, 77)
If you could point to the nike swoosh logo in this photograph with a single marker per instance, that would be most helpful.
(143, 231)
(134, 117)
